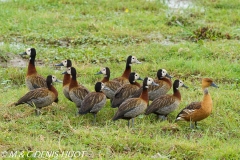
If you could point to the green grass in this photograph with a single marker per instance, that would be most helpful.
(94, 34)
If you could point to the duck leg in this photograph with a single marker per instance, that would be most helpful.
(195, 124)
(37, 111)
(162, 117)
(95, 117)
(132, 122)
(128, 123)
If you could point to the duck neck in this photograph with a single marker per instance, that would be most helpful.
(144, 94)
(66, 79)
(207, 103)
(127, 71)
(137, 84)
(206, 97)
(73, 82)
(176, 93)
(106, 78)
(31, 67)
(51, 88)
(166, 80)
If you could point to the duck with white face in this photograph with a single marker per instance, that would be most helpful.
(133, 107)
(66, 78)
(165, 104)
(94, 101)
(41, 97)
(111, 84)
(77, 92)
(126, 90)
(164, 85)
(33, 79)
(124, 78)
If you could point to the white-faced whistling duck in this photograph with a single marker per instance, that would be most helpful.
(133, 107)
(33, 79)
(164, 82)
(41, 97)
(111, 84)
(197, 111)
(94, 101)
(165, 104)
(124, 78)
(77, 92)
(66, 78)
(126, 90)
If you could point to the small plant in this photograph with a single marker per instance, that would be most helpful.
(208, 33)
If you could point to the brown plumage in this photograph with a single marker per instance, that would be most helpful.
(164, 85)
(77, 92)
(126, 90)
(33, 79)
(111, 84)
(94, 101)
(197, 111)
(41, 97)
(165, 104)
(124, 78)
(133, 107)
(66, 78)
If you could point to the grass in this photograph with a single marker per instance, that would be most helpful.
(94, 34)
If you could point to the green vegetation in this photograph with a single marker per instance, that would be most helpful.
(190, 43)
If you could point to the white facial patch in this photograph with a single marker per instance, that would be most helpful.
(164, 72)
(136, 76)
(69, 70)
(180, 83)
(64, 63)
(54, 79)
(149, 81)
(103, 70)
(28, 51)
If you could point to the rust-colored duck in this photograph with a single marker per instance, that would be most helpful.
(197, 111)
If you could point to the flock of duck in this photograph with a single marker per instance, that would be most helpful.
(131, 98)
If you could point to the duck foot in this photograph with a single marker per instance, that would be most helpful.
(161, 117)
(37, 111)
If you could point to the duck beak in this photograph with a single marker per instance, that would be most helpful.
(106, 88)
(167, 75)
(59, 81)
(214, 85)
(60, 64)
(184, 86)
(22, 54)
(140, 79)
(138, 62)
(154, 84)
(98, 73)
(64, 72)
